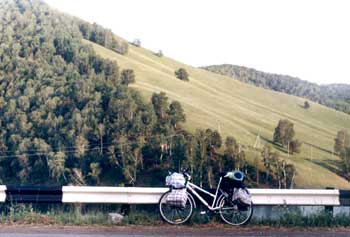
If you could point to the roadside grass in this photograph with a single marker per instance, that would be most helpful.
(241, 110)
(27, 214)
(324, 219)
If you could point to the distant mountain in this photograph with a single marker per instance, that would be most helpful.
(336, 96)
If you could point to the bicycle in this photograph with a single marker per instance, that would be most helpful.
(231, 211)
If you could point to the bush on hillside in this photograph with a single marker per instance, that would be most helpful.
(306, 105)
(182, 74)
(160, 53)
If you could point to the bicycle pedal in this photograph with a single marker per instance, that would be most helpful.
(203, 212)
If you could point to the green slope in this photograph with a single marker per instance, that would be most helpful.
(335, 96)
(243, 111)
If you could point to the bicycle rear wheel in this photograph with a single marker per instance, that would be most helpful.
(173, 214)
(234, 213)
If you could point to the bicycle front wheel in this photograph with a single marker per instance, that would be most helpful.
(234, 213)
(173, 214)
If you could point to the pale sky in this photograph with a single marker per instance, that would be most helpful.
(309, 39)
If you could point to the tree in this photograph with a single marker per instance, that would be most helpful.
(202, 154)
(345, 156)
(159, 53)
(182, 74)
(122, 48)
(257, 170)
(176, 113)
(266, 155)
(230, 153)
(295, 146)
(277, 168)
(284, 132)
(160, 105)
(306, 105)
(289, 175)
(178, 154)
(342, 141)
(342, 147)
(127, 76)
(95, 172)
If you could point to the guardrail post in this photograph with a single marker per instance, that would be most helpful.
(344, 197)
(329, 209)
(125, 208)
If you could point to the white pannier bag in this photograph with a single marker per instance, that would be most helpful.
(177, 198)
(175, 180)
(242, 195)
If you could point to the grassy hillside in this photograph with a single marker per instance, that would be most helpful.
(242, 110)
(336, 96)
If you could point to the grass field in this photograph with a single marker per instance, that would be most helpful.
(242, 110)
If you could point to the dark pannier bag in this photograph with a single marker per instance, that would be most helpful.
(230, 181)
(228, 184)
(233, 184)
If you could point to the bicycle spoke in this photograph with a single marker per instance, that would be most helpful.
(233, 213)
(173, 214)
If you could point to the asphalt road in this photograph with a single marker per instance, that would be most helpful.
(165, 231)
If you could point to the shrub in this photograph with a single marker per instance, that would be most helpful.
(306, 105)
(160, 53)
(182, 74)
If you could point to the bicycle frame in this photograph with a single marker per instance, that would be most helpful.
(192, 187)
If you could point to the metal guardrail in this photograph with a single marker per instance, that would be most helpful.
(134, 195)
(138, 195)
(301, 197)
(129, 195)
(2, 193)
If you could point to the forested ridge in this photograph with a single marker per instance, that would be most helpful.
(68, 116)
(336, 96)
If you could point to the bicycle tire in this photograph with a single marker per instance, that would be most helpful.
(186, 211)
(227, 207)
